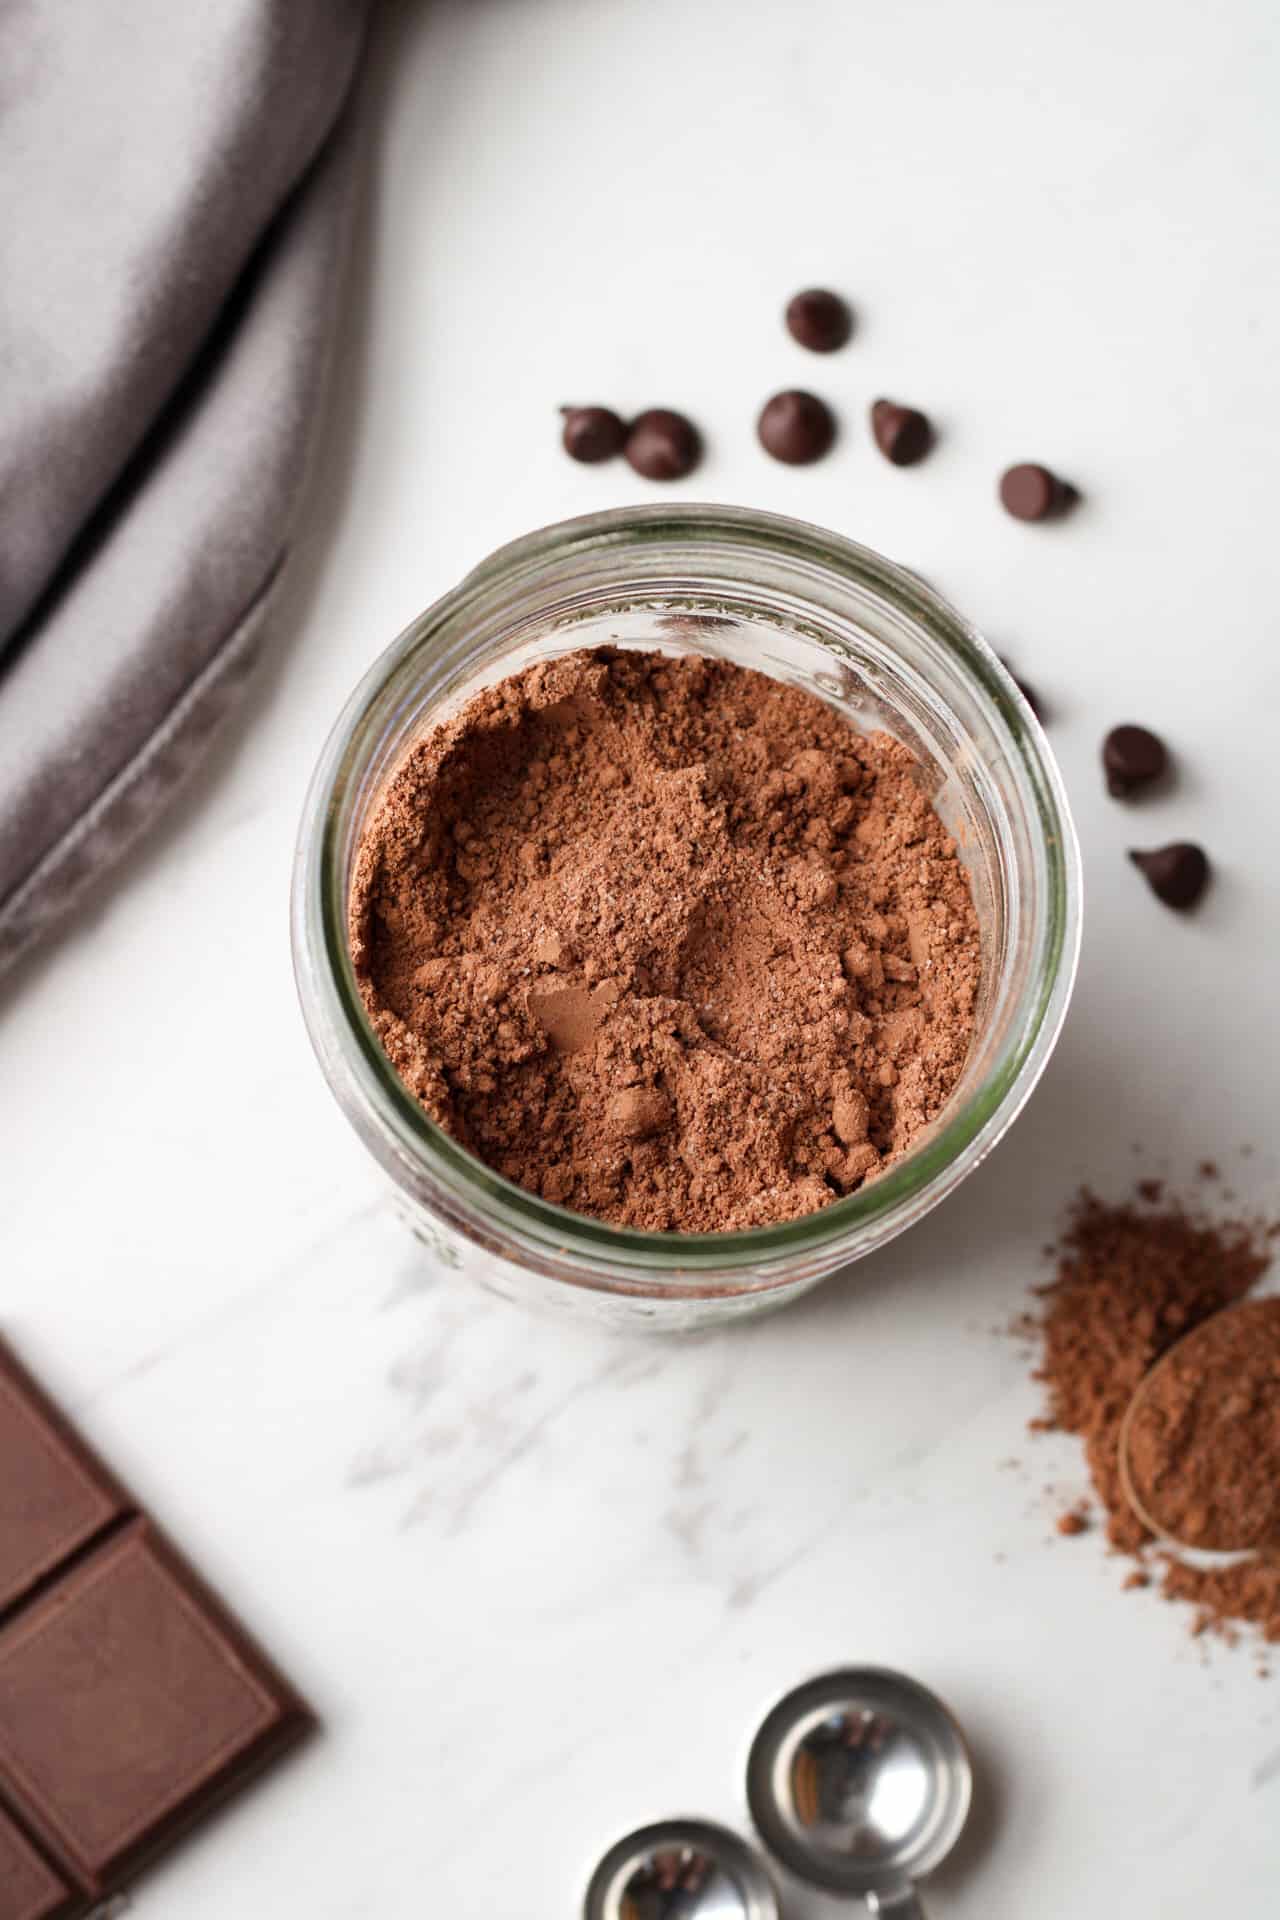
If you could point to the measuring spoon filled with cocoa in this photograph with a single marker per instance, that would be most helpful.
(1200, 1443)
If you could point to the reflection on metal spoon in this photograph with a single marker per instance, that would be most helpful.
(860, 1782)
(680, 1870)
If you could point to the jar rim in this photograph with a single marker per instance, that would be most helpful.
(336, 1015)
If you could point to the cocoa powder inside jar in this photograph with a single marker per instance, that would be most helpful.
(666, 940)
(1133, 1279)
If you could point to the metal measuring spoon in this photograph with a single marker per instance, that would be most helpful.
(860, 1782)
(680, 1870)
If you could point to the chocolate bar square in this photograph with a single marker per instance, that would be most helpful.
(29, 1887)
(131, 1702)
(53, 1495)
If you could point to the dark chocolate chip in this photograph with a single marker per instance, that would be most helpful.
(1177, 874)
(1029, 492)
(663, 445)
(903, 434)
(1028, 692)
(1132, 758)
(796, 427)
(592, 433)
(819, 320)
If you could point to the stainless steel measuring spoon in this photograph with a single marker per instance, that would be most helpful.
(860, 1782)
(680, 1870)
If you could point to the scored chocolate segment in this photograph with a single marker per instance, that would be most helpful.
(129, 1703)
(29, 1887)
(54, 1497)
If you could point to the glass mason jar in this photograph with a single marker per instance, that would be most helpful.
(810, 608)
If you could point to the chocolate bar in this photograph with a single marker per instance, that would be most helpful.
(131, 1702)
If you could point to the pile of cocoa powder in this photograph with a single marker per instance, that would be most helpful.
(666, 940)
(1132, 1280)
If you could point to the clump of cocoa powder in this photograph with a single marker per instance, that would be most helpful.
(666, 940)
(1132, 1280)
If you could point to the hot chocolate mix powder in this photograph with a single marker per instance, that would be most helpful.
(667, 941)
(1132, 1280)
(1203, 1437)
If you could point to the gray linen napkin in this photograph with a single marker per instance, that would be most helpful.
(174, 201)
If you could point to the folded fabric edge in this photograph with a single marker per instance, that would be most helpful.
(151, 420)
(128, 805)
(134, 797)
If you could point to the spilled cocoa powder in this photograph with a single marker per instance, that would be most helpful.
(1134, 1279)
(666, 940)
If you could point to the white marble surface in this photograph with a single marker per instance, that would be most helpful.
(537, 1580)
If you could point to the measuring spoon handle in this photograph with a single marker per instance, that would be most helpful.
(897, 1903)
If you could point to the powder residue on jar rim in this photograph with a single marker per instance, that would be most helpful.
(666, 940)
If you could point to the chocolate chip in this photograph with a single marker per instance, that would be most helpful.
(1030, 695)
(1177, 874)
(1029, 492)
(796, 427)
(819, 320)
(592, 433)
(1028, 692)
(903, 434)
(1132, 757)
(663, 445)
